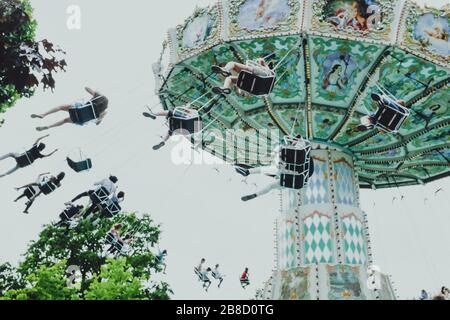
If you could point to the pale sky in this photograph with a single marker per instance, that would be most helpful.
(200, 209)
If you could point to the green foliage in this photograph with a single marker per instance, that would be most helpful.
(46, 283)
(8, 278)
(26, 63)
(126, 275)
(115, 282)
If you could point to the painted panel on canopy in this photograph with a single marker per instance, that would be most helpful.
(258, 145)
(437, 156)
(433, 109)
(199, 31)
(371, 19)
(256, 17)
(350, 133)
(427, 171)
(385, 166)
(405, 76)
(435, 137)
(378, 141)
(290, 81)
(263, 119)
(428, 32)
(338, 67)
(179, 82)
(390, 154)
(292, 117)
(217, 55)
(223, 112)
(325, 122)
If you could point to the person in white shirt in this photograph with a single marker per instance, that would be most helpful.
(109, 185)
(217, 275)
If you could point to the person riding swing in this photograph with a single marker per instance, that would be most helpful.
(181, 120)
(80, 113)
(254, 77)
(390, 116)
(46, 187)
(292, 168)
(245, 279)
(27, 158)
(202, 274)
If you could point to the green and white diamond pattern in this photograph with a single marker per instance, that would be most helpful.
(318, 245)
(287, 244)
(355, 249)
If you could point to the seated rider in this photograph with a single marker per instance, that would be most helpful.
(94, 207)
(272, 171)
(108, 184)
(217, 275)
(31, 189)
(245, 280)
(168, 115)
(96, 107)
(231, 72)
(202, 273)
(69, 214)
(369, 122)
(55, 181)
(117, 242)
(28, 158)
(161, 259)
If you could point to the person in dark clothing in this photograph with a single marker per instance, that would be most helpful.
(108, 184)
(44, 186)
(94, 208)
(28, 158)
(80, 112)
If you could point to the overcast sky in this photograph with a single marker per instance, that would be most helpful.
(198, 206)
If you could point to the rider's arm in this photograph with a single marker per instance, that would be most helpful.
(41, 138)
(50, 154)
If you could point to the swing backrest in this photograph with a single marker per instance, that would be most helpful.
(84, 114)
(111, 209)
(295, 156)
(391, 116)
(24, 160)
(294, 181)
(48, 187)
(69, 213)
(99, 196)
(80, 166)
(30, 192)
(201, 276)
(185, 121)
(255, 85)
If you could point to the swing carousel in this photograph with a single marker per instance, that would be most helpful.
(331, 56)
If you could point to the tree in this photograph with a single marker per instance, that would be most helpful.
(85, 247)
(8, 278)
(115, 282)
(46, 283)
(26, 63)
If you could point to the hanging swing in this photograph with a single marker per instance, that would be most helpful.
(296, 164)
(390, 115)
(257, 85)
(184, 121)
(84, 164)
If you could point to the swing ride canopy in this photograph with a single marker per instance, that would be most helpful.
(333, 55)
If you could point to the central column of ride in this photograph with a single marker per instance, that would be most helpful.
(322, 239)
